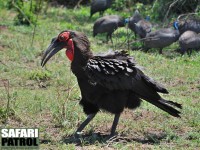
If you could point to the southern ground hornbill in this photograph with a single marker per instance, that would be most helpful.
(111, 82)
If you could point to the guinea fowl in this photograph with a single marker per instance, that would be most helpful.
(189, 40)
(133, 20)
(108, 24)
(99, 6)
(139, 25)
(142, 28)
(188, 24)
(160, 38)
(111, 82)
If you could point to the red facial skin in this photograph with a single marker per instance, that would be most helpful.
(64, 37)
(70, 50)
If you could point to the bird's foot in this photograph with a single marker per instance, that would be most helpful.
(105, 42)
(111, 137)
(78, 135)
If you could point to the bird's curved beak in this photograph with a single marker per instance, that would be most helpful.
(53, 48)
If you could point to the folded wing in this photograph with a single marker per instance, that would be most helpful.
(117, 71)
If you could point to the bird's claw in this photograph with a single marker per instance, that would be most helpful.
(111, 137)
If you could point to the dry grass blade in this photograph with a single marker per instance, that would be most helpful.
(6, 84)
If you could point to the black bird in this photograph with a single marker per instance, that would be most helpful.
(160, 38)
(111, 82)
(139, 25)
(188, 24)
(189, 40)
(108, 24)
(99, 6)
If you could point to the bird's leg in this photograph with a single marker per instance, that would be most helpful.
(111, 38)
(135, 36)
(182, 51)
(160, 50)
(146, 49)
(114, 125)
(189, 52)
(107, 38)
(82, 126)
(101, 13)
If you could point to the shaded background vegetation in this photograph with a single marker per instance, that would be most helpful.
(157, 9)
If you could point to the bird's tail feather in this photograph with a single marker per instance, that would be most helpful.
(167, 106)
(171, 103)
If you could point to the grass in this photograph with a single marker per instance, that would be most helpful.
(49, 98)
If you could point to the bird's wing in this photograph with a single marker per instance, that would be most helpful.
(120, 55)
(120, 73)
(144, 25)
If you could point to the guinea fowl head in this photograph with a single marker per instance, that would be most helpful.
(76, 44)
(176, 25)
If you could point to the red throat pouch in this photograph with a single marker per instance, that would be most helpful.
(70, 50)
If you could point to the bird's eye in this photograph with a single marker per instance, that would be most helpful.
(63, 36)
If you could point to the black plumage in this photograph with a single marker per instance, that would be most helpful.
(99, 6)
(189, 40)
(139, 25)
(160, 38)
(111, 82)
(108, 24)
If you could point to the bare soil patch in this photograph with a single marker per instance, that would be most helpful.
(3, 27)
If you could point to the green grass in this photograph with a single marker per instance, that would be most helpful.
(49, 98)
